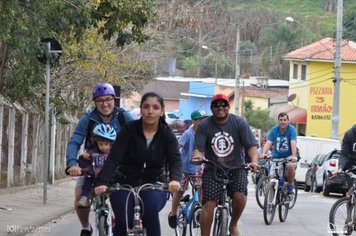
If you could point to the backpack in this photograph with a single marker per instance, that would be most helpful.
(120, 118)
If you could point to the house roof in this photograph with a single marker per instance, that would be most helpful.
(167, 89)
(324, 49)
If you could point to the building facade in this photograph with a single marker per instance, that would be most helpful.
(311, 85)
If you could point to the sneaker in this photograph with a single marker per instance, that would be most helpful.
(172, 221)
(290, 196)
(86, 232)
(83, 202)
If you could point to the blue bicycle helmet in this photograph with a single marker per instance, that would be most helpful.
(105, 131)
(103, 89)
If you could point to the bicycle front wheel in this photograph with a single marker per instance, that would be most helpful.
(102, 226)
(295, 191)
(340, 217)
(220, 222)
(269, 208)
(261, 190)
(194, 226)
(181, 228)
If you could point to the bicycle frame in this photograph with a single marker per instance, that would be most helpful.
(188, 210)
(278, 196)
(220, 216)
(137, 229)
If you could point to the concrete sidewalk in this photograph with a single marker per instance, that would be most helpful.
(22, 210)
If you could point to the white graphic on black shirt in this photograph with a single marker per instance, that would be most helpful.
(222, 144)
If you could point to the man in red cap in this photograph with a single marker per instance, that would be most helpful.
(223, 138)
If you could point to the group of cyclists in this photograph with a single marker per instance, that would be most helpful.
(122, 150)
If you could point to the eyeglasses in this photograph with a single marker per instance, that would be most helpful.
(219, 104)
(102, 101)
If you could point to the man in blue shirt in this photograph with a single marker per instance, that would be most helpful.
(186, 143)
(284, 138)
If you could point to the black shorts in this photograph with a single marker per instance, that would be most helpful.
(211, 189)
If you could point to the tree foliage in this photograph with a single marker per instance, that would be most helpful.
(259, 119)
(25, 23)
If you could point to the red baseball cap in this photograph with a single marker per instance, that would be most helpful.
(220, 96)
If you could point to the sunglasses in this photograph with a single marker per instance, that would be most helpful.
(219, 104)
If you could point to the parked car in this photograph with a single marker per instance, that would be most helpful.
(310, 174)
(309, 147)
(323, 181)
(175, 122)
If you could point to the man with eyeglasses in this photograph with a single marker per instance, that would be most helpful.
(223, 138)
(105, 112)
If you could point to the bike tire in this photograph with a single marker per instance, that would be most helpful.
(102, 226)
(292, 203)
(338, 217)
(194, 226)
(220, 222)
(269, 209)
(181, 229)
(283, 211)
(261, 189)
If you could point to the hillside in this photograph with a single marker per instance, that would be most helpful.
(200, 36)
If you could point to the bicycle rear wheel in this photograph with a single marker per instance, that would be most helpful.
(220, 222)
(181, 228)
(283, 211)
(269, 208)
(261, 189)
(340, 218)
(102, 226)
(194, 226)
(295, 191)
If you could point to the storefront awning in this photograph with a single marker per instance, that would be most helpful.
(297, 115)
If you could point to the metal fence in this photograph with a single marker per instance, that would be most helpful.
(22, 146)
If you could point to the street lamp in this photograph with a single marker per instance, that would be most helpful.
(337, 69)
(215, 59)
(237, 73)
(51, 54)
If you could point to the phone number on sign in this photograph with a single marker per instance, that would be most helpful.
(27, 229)
(320, 117)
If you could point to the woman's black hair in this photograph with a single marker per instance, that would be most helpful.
(160, 100)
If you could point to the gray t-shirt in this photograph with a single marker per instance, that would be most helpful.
(225, 143)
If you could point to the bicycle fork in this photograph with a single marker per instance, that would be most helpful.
(275, 186)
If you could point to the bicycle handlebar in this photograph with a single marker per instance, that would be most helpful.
(154, 186)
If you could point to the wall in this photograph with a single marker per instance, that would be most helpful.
(22, 146)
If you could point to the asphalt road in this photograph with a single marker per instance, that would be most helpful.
(308, 217)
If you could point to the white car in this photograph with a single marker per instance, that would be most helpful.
(329, 164)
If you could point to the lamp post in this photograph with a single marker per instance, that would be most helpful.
(237, 74)
(337, 69)
(215, 59)
(51, 55)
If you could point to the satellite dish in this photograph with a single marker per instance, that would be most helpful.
(291, 97)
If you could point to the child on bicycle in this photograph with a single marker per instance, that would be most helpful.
(103, 136)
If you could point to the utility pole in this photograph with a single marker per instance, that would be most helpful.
(337, 71)
(237, 73)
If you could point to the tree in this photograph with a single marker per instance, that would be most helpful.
(259, 119)
(349, 25)
(24, 23)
